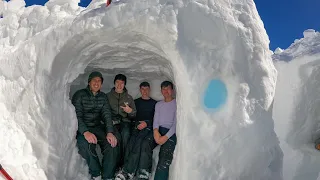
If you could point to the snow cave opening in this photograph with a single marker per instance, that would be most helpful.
(140, 60)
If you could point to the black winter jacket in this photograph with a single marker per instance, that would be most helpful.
(91, 110)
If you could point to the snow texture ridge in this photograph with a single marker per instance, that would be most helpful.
(296, 107)
(43, 49)
(307, 46)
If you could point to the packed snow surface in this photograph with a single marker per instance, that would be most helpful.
(296, 108)
(46, 53)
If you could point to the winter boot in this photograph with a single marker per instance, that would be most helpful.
(96, 178)
(143, 175)
(124, 176)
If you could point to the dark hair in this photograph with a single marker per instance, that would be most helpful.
(120, 77)
(144, 84)
(166, 84)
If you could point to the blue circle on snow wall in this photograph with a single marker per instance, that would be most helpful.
(216, 94)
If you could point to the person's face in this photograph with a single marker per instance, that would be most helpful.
(95, 84)
(145, 91)
(167, 92)
(119, 85)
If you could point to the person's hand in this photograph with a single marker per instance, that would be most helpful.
(90, 137)
(156, 135)
(126, 108)
(112, 139)
(142, 125)
(162, 140)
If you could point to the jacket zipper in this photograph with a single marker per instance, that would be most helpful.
(119, 104)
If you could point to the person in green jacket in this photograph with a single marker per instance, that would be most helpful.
(95, 127)
(123, 110)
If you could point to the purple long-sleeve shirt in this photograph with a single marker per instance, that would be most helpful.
(165, 116)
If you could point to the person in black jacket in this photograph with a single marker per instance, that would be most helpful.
(95, 127)
(145, 106)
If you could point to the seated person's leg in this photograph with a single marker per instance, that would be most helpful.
(110, 154)
(88, 152)
(165, 158)
(131, 144)
(145, 162)
(125, 136)
(125, 133)
(132, 161)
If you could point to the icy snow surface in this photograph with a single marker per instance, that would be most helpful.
(46, 53)
(296, 108)
(307, 46)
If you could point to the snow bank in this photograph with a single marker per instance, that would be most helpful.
(296, 107)
(307, 46)
(43, 49)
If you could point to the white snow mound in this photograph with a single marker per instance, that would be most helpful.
(296, 107)
(43, 49)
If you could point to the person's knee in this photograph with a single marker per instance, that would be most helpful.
(83, 148)
(83, 152)
(108, 149)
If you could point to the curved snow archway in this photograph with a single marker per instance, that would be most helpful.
(202, 40)
(131, 53)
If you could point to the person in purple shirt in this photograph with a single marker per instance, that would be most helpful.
(164, 128)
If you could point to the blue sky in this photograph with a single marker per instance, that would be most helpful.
(284, 20)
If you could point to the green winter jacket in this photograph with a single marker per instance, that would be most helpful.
(91, 110)
(116, 100)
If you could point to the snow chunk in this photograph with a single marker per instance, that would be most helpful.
(16, 5)
(278, 51)
(3, 6)
(307, 46)
(309, 33)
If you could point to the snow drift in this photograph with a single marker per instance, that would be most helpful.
(47, 51)
(296, 106)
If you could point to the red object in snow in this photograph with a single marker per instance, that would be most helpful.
(4, 173)
(108, 2)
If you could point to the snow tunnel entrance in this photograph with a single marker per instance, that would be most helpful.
(134, 55)
(134, 78)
